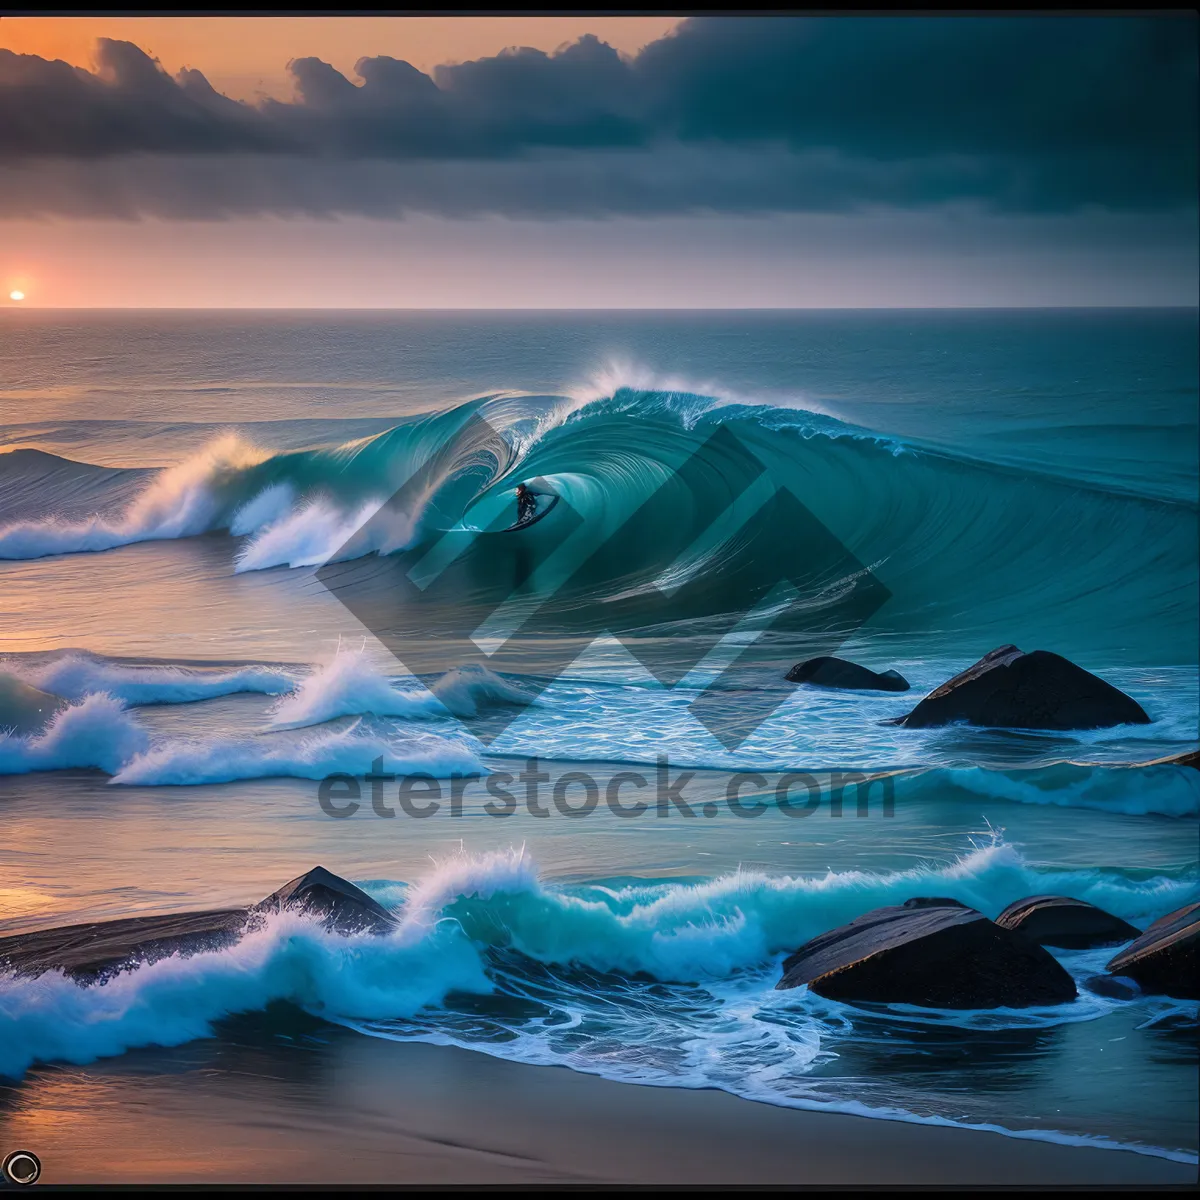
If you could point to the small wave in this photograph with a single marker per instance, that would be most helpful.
(181, 761)
(348, 685)
(97, 732)
(463, 691)
(75, 675)
(1162, 790)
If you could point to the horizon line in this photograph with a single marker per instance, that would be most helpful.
(558, 308)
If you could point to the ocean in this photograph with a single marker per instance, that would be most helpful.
(252, 550)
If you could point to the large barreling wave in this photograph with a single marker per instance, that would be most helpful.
(670, 516)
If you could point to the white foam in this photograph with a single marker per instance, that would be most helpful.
(268, 507)
(740, 920)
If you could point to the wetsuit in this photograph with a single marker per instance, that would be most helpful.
(526, 506)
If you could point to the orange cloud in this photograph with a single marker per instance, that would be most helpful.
(246, 56)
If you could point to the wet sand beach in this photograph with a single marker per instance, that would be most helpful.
(324, 1105)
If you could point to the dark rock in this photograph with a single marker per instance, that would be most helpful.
(1010, 689)
(342, 906)
(934, 955)
(98, 949)
(1065, 923)
(934, 902)
(1115, 987)
(838, 673)
(1165, 958)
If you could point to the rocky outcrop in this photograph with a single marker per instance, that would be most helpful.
(340, 905)
(1166, 958)
(98, 949)
(932, 953)
(1066, 924)
(838, 673)
(1010, 689)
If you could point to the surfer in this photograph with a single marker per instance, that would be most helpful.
(526, 506)
(531, 507)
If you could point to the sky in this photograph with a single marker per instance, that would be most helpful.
(598, 162)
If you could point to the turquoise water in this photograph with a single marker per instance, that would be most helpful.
(183, 495)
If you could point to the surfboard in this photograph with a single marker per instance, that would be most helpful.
(541, 509)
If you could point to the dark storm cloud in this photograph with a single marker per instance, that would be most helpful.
(725, 114)
(675, 179)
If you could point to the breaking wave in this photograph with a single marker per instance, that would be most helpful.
(927, 521)
(679, 974)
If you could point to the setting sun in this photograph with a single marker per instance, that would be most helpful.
(16, 295)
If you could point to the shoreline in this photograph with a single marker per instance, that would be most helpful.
(324, 1104)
